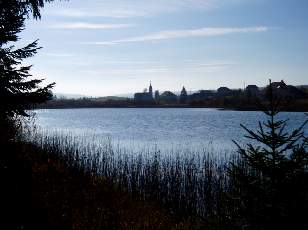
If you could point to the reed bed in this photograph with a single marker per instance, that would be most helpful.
(191, 184)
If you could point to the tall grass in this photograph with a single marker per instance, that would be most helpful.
(189, 185)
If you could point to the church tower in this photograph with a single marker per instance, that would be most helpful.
(151, 90)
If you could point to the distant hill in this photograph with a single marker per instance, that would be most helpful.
(125, 95)
(68, 96)
(111, 98)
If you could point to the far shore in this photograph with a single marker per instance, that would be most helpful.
(175, 106)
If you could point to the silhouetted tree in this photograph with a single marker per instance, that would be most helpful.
(156, 96)
(183, 96)
(270, 179)
(17, 92)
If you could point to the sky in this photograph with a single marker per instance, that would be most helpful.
(115, 47)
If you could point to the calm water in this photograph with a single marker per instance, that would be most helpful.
(165, 129)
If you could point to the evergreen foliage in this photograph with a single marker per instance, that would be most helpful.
(270, 179)
(183, 96)
(17, 92)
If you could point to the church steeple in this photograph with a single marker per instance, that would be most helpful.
(151, 89)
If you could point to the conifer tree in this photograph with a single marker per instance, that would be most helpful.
(270, 179)
(183, 96)
(17, 92)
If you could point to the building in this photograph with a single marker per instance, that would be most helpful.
(224, 91)
(151, 90)
(145, 97)
(202, 95)
(252, 91)
(279, 85)
(282, 90)
(168, 97)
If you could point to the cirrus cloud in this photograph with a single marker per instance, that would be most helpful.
(133, 8)
(83, 25)
(187, 33)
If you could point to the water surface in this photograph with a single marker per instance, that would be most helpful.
(165, 129)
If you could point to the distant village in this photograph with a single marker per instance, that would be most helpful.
(280, 89)
(248, 98)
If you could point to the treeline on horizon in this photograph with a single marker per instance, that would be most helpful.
(295, 99)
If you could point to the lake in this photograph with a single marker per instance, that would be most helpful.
(165, 129)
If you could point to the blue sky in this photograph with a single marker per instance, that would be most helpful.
(112, 47)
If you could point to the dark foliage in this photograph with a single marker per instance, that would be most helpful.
(183, 96)
(17, 93)
(270, 182)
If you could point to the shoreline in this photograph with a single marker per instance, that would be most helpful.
(166, 107)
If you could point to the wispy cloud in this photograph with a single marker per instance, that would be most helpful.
(82, 25)
(188, 33)
(157, 69)
(131, 62)
(212, 64)
(127, 72)
(58, 54)
(133, 8)
(94, 13)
